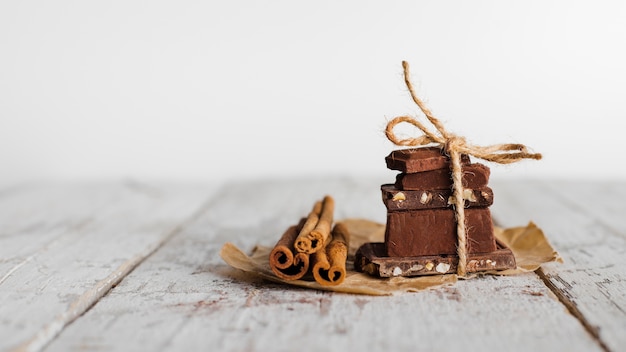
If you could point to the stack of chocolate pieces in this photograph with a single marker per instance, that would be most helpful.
(420, 235)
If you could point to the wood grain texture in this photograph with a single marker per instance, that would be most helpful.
(63, 247)
(185, 298)
(585, 222)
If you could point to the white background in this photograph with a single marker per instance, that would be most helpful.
(213, 91)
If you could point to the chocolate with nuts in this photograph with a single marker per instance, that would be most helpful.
(371, 258)
(400, 200)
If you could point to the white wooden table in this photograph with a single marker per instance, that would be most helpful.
(127, 266)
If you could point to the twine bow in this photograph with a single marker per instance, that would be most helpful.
(454, 146)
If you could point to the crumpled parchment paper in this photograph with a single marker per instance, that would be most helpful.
(528, 243)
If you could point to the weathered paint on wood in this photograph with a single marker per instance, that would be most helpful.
(63, 247)
(585, 222)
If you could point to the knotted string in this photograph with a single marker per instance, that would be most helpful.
(454, 146)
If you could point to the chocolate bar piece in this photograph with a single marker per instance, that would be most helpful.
(433, 232)
(420, 159)
(475, 176)
(400, 200)
(370, 258)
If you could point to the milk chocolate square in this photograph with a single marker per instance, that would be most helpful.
(400, 200)
(475, 176)
(420, 159)
(433, 232)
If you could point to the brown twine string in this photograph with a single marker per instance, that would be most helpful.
(454, 146)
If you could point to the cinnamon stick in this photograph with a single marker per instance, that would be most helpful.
(329, 264)
(312, 238)
(303, 242)
(284, 261)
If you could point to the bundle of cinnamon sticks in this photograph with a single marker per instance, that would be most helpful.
(313, 244)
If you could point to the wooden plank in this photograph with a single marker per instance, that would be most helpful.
(585, 222)
(34, 217)
(185, 298)
(67, 245)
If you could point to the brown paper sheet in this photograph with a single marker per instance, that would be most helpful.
(529, 245)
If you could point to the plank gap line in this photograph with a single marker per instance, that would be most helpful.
(91, 297)
(571, 307)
